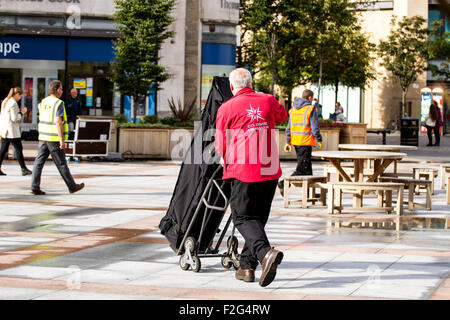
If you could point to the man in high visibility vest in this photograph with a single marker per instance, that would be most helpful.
(302, 132)
(53, 131)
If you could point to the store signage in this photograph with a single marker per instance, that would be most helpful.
(227, 4)
(32, 48)
(79, 83)
(7, 47)
(86, 7)
(220, 10)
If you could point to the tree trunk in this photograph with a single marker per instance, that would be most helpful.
(336, 89)
(135, 105)
(404, 91)
(320, 78)
(273, 61)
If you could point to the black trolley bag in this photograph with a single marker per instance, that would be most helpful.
(200, 197)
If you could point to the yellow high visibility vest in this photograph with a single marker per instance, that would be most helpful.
(47, 120)
(301, 133)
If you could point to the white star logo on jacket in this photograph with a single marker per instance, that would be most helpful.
(254, 113)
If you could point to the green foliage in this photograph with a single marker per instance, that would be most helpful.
(121, 118)
(405, 52)
(143, 25)
(150, 119)
(183, 112)
(154, 122)
(440, 49)
(291, 43)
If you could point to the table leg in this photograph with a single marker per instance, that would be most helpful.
(358, 173)
(336, 163)
(379, 169)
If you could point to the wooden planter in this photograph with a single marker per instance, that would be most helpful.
(330, 139)
(158, 143)
(354, 133)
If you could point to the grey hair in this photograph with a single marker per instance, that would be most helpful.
(241, 78)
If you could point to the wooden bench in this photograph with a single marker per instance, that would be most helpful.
(428, 174)
(378, 131)
(445, 172)
(411, 184)
(384, 190)
(308, 185)
(448, 189)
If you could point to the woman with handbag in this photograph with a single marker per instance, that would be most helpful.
(10, 118)
(433, 122)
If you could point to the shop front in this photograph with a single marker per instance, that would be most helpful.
(33, 62)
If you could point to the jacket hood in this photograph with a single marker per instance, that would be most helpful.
(300, 103)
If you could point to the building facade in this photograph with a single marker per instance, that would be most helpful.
(379, 103)
(381, 100)
(71, 40)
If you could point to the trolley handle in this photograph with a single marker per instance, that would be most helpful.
(223, 196)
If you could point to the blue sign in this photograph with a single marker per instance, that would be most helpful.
(218, 54)
(91, 50)
(44, 48)
(32, 48)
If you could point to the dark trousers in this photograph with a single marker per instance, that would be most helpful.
(250, 207)
(59, 158)
(430, 131)
(304, 165)
(17, 144)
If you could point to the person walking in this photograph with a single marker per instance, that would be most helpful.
(10, 118)
(433, 122)
(53, 131)
(303, 132)
(246, 142)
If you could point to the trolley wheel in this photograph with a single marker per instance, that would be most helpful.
(196, 265)
(183, 264)
(226, 263)
(189, 244)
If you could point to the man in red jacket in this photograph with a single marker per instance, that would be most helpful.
(246, 141)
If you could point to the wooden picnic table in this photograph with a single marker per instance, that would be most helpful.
(382, 160)
(377, 147)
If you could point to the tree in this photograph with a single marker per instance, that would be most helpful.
(143, 25)
(405, 52)
(440, 49)
(262, 22)
(302, 41)
(338, 50)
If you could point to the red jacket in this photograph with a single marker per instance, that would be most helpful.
(246, 136)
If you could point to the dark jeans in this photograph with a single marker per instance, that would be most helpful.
(59, 158)
(17, 144)
(250, 208)
(304, 165)
(437, 137)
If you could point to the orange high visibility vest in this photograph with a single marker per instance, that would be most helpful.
(301, 134)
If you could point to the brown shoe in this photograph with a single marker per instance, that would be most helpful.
(37, 192)
(248, 275)
(78, 187)
(269, 266)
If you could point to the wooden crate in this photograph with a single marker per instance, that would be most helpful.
(354, 133)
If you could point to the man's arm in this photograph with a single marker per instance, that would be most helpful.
(59, 128)
(315, 125)
(59, 124)
(220, 137)
(281, 113)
